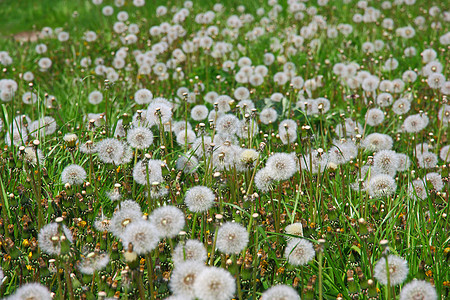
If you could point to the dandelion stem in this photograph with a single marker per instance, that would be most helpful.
(150, 275)
(140, 284)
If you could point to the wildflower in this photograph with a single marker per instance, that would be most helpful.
(73, 175)
(280, 292)
(122, 218)
(341, 153)
(377, 141)
(248, 157)
(263, 179)
(281, 166)
(142, 235)
(199, 198)
(299, 252)
(374, 117)
(88, 147)
(32, 291)
(183, 278)
(227, 124)
(352, 128)
(154, 172)
(140, 137)
(44, 126)
(158, 113)
(444, 114)
(199, 112)
(403, 162)
(214, 284)
(168, 220)
(51, 236)
(143, 96)
(232, 238)
(381, 185)
(95, 97)
(415, 123)
(187, 164)
(417, 189)
(93, 262)
(436, 180)
(427, 160)
(386, 161)
(32, 156)
(192, 250)
(436, 80)
(401, 106)
(444, 153)
(182, 138)
(268, 115)
(314, 161)
(110, 150)
(294, 229)
(398, 270)
(418, 289)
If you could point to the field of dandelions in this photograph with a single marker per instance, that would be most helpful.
(237, 150)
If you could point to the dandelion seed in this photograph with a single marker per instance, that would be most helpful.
(199, 198)
(122, 219)
(214, 284)
(398, 270)
(193, 251)
(140, 137)
(50, 238)
(280, 292)
(183, 278)
(381, 185)
(34, 291)
(110, 150)
(418, 290)
(142, 235)
(168, 220)
(154, 172)
(93, 262)
(299, 252)
(73, 175)
(232, 238)
(281, 166)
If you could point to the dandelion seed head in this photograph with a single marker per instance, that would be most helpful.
(281, 166)
(168, 221)
(50, 238)
(280, 292)
(299, 252)
(199, 198)
(142, 235)
(232, 238)
(214, 284)
(183, 278)
(418, 290)
(140, 137)
(73, 175)
(398, 270)
(33, 291)
(381, 185)
(192, 250)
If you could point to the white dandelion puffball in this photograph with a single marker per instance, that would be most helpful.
(232, 238)
(214, 284)
(299, 252)
(398, 270)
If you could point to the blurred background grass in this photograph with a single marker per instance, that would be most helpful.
(27, 15)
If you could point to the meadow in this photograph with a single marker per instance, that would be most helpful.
(261, 149)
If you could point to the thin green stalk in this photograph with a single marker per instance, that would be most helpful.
(150, 275)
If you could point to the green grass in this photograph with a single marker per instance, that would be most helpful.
(324, 203)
